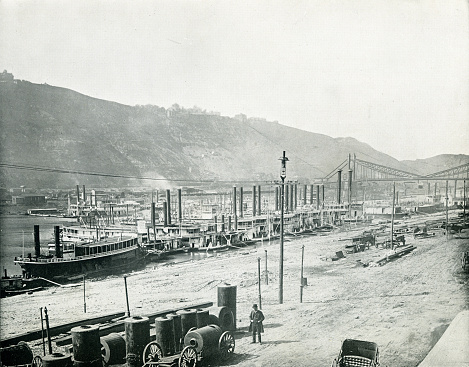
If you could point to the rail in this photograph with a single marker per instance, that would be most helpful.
(77, 258)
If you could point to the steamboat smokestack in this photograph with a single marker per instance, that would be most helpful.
(222, 223)
(84, 195)
(165, 213)
(292, 199)
(180, 205)
(58, 250)
(276, 198)
(259, 202)
(235, 209)
(78, 194)
(241, 198)
(339, 183)
(254, 201)
(168, 206)
(37, 242)
(318, 200)
(153, 215)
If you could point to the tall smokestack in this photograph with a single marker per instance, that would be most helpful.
(339, 184)
(165, 213)
(152, 215)
(241, 204)
(58, 249)
(180, 205)
(295, 197)
(222, 223)
(350, 178)
(305, 194)
(292, 199)
(235, 212)
(215, 226)
(78, 194)
(276, 198)
(318, 199)
(168, 205)
(84, 195)
(37, 242)
(254, 201)
(259, 201)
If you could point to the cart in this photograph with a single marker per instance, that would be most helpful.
(357, 353)
(199, 343)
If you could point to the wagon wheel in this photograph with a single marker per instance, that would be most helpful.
(37, 362)
(226, 344)
(188, 357)
(152, 353)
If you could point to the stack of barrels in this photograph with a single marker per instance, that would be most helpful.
(89, 350)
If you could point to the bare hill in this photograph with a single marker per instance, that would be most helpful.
(57, 128)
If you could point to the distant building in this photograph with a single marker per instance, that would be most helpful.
(6, 77)
(28, 200)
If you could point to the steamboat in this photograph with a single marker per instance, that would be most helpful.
(90, 257)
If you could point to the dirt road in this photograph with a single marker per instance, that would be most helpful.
(404, 306)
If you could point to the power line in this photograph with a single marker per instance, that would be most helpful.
(277, 143)
(111, 175)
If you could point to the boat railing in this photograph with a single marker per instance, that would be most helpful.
(54, 259)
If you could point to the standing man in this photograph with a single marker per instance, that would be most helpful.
(256, 323)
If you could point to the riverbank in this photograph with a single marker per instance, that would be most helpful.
(403, 306)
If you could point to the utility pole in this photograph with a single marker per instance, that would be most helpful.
(283, 175)
(302, 282)
(259, 280)
(392, 213)
(126, 296)
(84, 295)
(266, 271)
(447, 236)
(49, 342)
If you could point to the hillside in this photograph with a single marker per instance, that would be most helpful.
(57, 128)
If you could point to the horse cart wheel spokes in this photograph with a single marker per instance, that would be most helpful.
(37, 362)
(188, 357)
(152, 353)
(226, 345)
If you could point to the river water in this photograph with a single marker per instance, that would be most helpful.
(15, 227)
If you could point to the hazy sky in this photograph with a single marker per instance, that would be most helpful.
(393, 74)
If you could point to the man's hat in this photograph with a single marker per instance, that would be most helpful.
(254, 306)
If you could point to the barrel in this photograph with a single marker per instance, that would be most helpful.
(203, 317)
(113, 349)
(86, 346)
(227, 298)
(164, 331)
(188, 320)
(221, 316)
(137, 336)
(17, 354)
(204, 340)
(177, 330)
(57, 360)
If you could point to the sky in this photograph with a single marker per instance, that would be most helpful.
(391, 73)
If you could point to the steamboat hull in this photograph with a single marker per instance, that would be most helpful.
(93, 265)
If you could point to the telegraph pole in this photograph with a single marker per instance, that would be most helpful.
(447, 236)
(392, 213)
(283, 175)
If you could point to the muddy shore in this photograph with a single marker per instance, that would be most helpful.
(404, 306)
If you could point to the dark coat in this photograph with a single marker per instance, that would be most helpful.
(256, 318)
